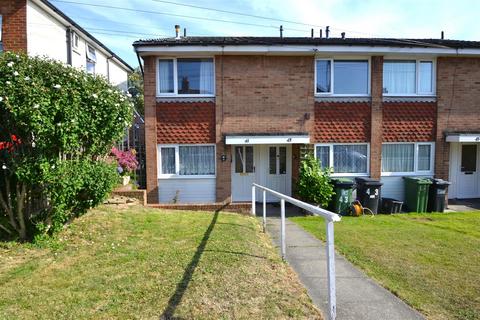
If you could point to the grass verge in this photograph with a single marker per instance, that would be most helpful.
(141, 263)
(431, 261)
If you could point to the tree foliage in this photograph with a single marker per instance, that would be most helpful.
(135, 85)
(314, 183)
(57, 125)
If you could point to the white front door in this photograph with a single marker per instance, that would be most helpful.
(278, 175)
(243, 172)
(467, 181)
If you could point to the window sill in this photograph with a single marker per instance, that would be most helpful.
(333, 95)
(406, 174)
(185, 96)
(174, 176)
(336, 175)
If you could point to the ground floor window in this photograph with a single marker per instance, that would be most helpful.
(186, 160)
(407, 158)
(346, 159)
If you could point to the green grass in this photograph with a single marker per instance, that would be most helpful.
(140, 263)
(431, 261)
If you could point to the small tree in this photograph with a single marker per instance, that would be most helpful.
(57, 126)
(314, 182)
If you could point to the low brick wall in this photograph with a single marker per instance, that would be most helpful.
(141, 195)
(241, 207)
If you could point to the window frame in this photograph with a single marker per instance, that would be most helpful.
(175, 78)
(332, 164)
(332, 76)
(417, 77)
(177, 175)
(75, 41)
(415, 171)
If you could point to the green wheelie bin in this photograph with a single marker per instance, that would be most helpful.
(342, 199)
(416, 193)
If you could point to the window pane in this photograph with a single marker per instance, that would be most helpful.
(397, 157)
(424, 157)
(323, 76)
(399, 77)
(165, 76)
(238, 159)
(168, 160)
(350, 158)
(282, 153)
(90, 67)
(469, 158)
(272, 160)
(195, 76)
(249, 159)
(425, 77)
(350, 77)
(323, 156)
(197, 160)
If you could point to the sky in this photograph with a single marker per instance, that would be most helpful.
(118, 29)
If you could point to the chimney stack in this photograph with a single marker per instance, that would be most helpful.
(177, 31)
(442, 36)
(327, 31)
(184, 32)
(281, 32)
(343, 35)
(312, 33)
(321, 33)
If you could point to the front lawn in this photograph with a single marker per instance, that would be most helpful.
(141, 263)
(431, 261)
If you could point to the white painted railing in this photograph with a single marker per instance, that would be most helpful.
(329, 217)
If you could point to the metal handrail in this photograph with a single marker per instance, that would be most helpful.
(329, 217)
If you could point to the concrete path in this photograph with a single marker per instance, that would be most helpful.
(358, 297)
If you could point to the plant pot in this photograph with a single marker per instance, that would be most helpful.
(125, 180)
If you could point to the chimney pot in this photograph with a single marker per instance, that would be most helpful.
(343, 35)
(177, 31)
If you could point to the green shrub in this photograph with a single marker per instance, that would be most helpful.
(314, 182)
(57, 126)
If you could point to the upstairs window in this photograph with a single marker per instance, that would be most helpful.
(346, 77)
(186, 76)
(91, 59)
(408, 77)
(75, 40)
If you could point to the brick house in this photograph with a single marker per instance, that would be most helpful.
(39, 28)
(223, 112)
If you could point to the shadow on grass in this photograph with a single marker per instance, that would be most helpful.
(237, 253)
(176, 298)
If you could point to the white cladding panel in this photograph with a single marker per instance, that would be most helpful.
(394, 187)
(186, 190)
(118, 76)
(45, 35)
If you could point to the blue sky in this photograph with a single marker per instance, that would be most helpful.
(368, 18)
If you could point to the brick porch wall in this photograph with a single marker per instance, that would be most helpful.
(458, 103)
(14, 25)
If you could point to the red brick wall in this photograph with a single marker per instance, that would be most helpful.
(186, 122)
(458, 104)
(376, 117)
(260, 94)
(150, 129)
(341, 122)
(14, 25)
(409, 121)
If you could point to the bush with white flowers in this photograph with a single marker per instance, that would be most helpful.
(57, 126)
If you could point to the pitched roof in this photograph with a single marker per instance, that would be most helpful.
(241, 41)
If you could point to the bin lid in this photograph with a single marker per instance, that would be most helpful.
(368, 182)
(418, 180)
(440, 182)
(342, 182)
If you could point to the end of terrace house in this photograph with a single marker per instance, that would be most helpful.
(223, 112)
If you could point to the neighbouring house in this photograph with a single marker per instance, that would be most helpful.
(39, 28)
(223, 112)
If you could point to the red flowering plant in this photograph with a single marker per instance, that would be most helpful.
(126, 160)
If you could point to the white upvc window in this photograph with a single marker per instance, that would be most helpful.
(415, 77)
(346, 159)
(91, 55)
(342, 77)
(75, 40)
(408, 158)
(186, 77)
(186, 161)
